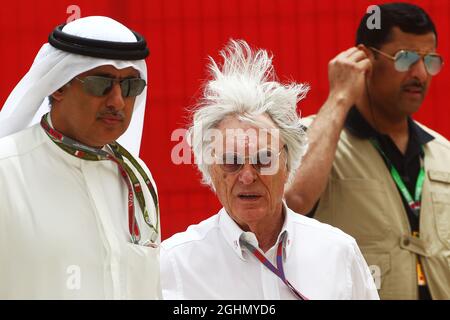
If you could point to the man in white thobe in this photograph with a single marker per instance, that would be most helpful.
(79, 213)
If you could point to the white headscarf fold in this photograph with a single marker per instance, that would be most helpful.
(53, 68)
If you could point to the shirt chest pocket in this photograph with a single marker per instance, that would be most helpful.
(440, 197)
(142, 265)
(360, 209)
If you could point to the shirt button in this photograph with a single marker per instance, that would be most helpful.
(406, 242)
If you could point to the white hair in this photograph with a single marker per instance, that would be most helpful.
(245, 86)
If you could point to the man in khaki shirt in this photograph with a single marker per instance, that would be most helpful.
(374, 172)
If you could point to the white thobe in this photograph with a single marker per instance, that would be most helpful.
(64, 226)
(208, 262)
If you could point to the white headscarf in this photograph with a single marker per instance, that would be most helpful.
(53, 68)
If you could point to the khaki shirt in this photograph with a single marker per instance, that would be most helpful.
(361, 199)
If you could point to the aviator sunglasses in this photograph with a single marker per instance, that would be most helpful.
(263, 159)
(404, 59)
(101, 86)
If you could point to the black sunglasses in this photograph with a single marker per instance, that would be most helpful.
(101, 86)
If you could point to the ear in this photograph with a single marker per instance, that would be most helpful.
(367, 51)
(58, 95)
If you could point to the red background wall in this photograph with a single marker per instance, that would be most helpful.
(303, 35)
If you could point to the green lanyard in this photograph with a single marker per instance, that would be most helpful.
(415, 203)
(134, 186)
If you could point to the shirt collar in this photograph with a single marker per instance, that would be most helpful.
(358, 126)
(230, 231)
(422, 136)
(233, 233)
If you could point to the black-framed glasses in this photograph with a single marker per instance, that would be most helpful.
(100, 86)
(404, 59)
(265, 159)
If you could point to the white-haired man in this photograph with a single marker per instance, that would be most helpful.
(79, 213)
(256, 247)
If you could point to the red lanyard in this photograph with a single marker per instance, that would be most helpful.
(87, 153)
(278, 271)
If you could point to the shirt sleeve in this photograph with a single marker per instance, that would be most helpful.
(363, 285)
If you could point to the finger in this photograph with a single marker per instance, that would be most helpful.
(347, 53)
(365, 65)
(358, 56)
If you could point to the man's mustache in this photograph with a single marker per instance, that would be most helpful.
(118, 115)
(414, 83)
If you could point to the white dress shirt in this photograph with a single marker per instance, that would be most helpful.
(64, 226)
(207, 261)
